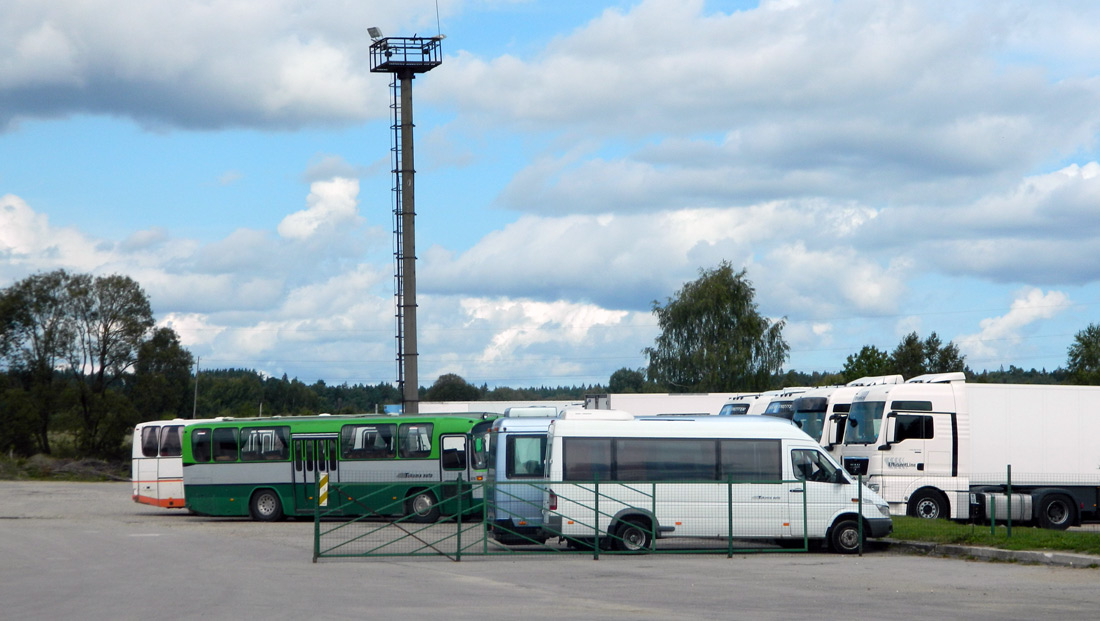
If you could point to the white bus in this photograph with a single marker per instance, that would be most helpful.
(156, 462)
(743, 477)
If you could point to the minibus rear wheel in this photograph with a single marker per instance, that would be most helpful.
(632, 536)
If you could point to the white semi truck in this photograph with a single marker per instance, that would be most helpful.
(937, 446)
(811, 410)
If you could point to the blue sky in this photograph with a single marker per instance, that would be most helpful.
(877, 168)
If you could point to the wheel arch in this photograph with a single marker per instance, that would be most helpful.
(935, 492)
(631, 514)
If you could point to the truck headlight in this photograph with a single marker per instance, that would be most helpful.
(874, 487)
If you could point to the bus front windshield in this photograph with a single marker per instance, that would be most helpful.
(864, 421)
(479, 457)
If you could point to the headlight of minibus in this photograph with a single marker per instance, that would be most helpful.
(884, 509)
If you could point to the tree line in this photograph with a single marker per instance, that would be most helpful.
(82, 362)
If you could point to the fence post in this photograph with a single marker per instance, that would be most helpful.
(653, 522)
(859, 506)
(596, 526)
(1009, 511)
(992, 515)
(317, 520)
(458, 523)
(729, 513)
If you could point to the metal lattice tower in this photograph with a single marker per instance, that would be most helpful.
(404, 57)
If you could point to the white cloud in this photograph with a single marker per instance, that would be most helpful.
(223, 63)
(1000, 336)
(332, 207)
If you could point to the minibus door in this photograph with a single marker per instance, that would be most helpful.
(817, 493)
(314, 456)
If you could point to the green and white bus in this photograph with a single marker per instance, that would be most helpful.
(268, 468)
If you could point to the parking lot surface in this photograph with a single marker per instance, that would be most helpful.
(85, 550)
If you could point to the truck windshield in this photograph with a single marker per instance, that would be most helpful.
(780, 409)
(809, 415)
(734, 409)
(863, 422)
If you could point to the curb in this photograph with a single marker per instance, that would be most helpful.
(1057, 559)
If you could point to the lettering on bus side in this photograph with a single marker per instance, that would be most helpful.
(414, 475)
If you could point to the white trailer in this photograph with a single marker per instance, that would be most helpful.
(660, 404)
(936, 446)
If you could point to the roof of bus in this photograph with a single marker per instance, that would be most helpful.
(709, 427)
(522, 424)
(326, 422)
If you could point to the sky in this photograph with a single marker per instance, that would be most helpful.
(877, 168)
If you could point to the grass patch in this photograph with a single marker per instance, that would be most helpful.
(1023, 537)
(45, 468)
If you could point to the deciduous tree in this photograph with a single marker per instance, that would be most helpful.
(714, 339)
(1083, 363)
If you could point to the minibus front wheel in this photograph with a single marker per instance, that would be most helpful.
(844, 537)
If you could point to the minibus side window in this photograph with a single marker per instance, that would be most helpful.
(811, 465)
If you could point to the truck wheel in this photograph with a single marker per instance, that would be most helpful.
(927, 504)
(632, 536)
(844, 537)
(1056, 512)
(422, 508)
(266, 506)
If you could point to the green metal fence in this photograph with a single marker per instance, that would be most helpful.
(487, 518)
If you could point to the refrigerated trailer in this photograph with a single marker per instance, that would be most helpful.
(937, 446)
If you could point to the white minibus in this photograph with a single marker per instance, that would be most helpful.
(742, 477)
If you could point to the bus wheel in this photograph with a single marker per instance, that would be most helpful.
(927, 504)
(632, 536)
(844, 538)
(266, 506)
(422, 508)
(1055, 512)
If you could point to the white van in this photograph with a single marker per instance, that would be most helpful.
(745, 477)
(513, 508)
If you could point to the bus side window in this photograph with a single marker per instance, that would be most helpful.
(171, 441)
(149, 445)
(587, 459)
(416, 440)
(225, 444)
(201, 447)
